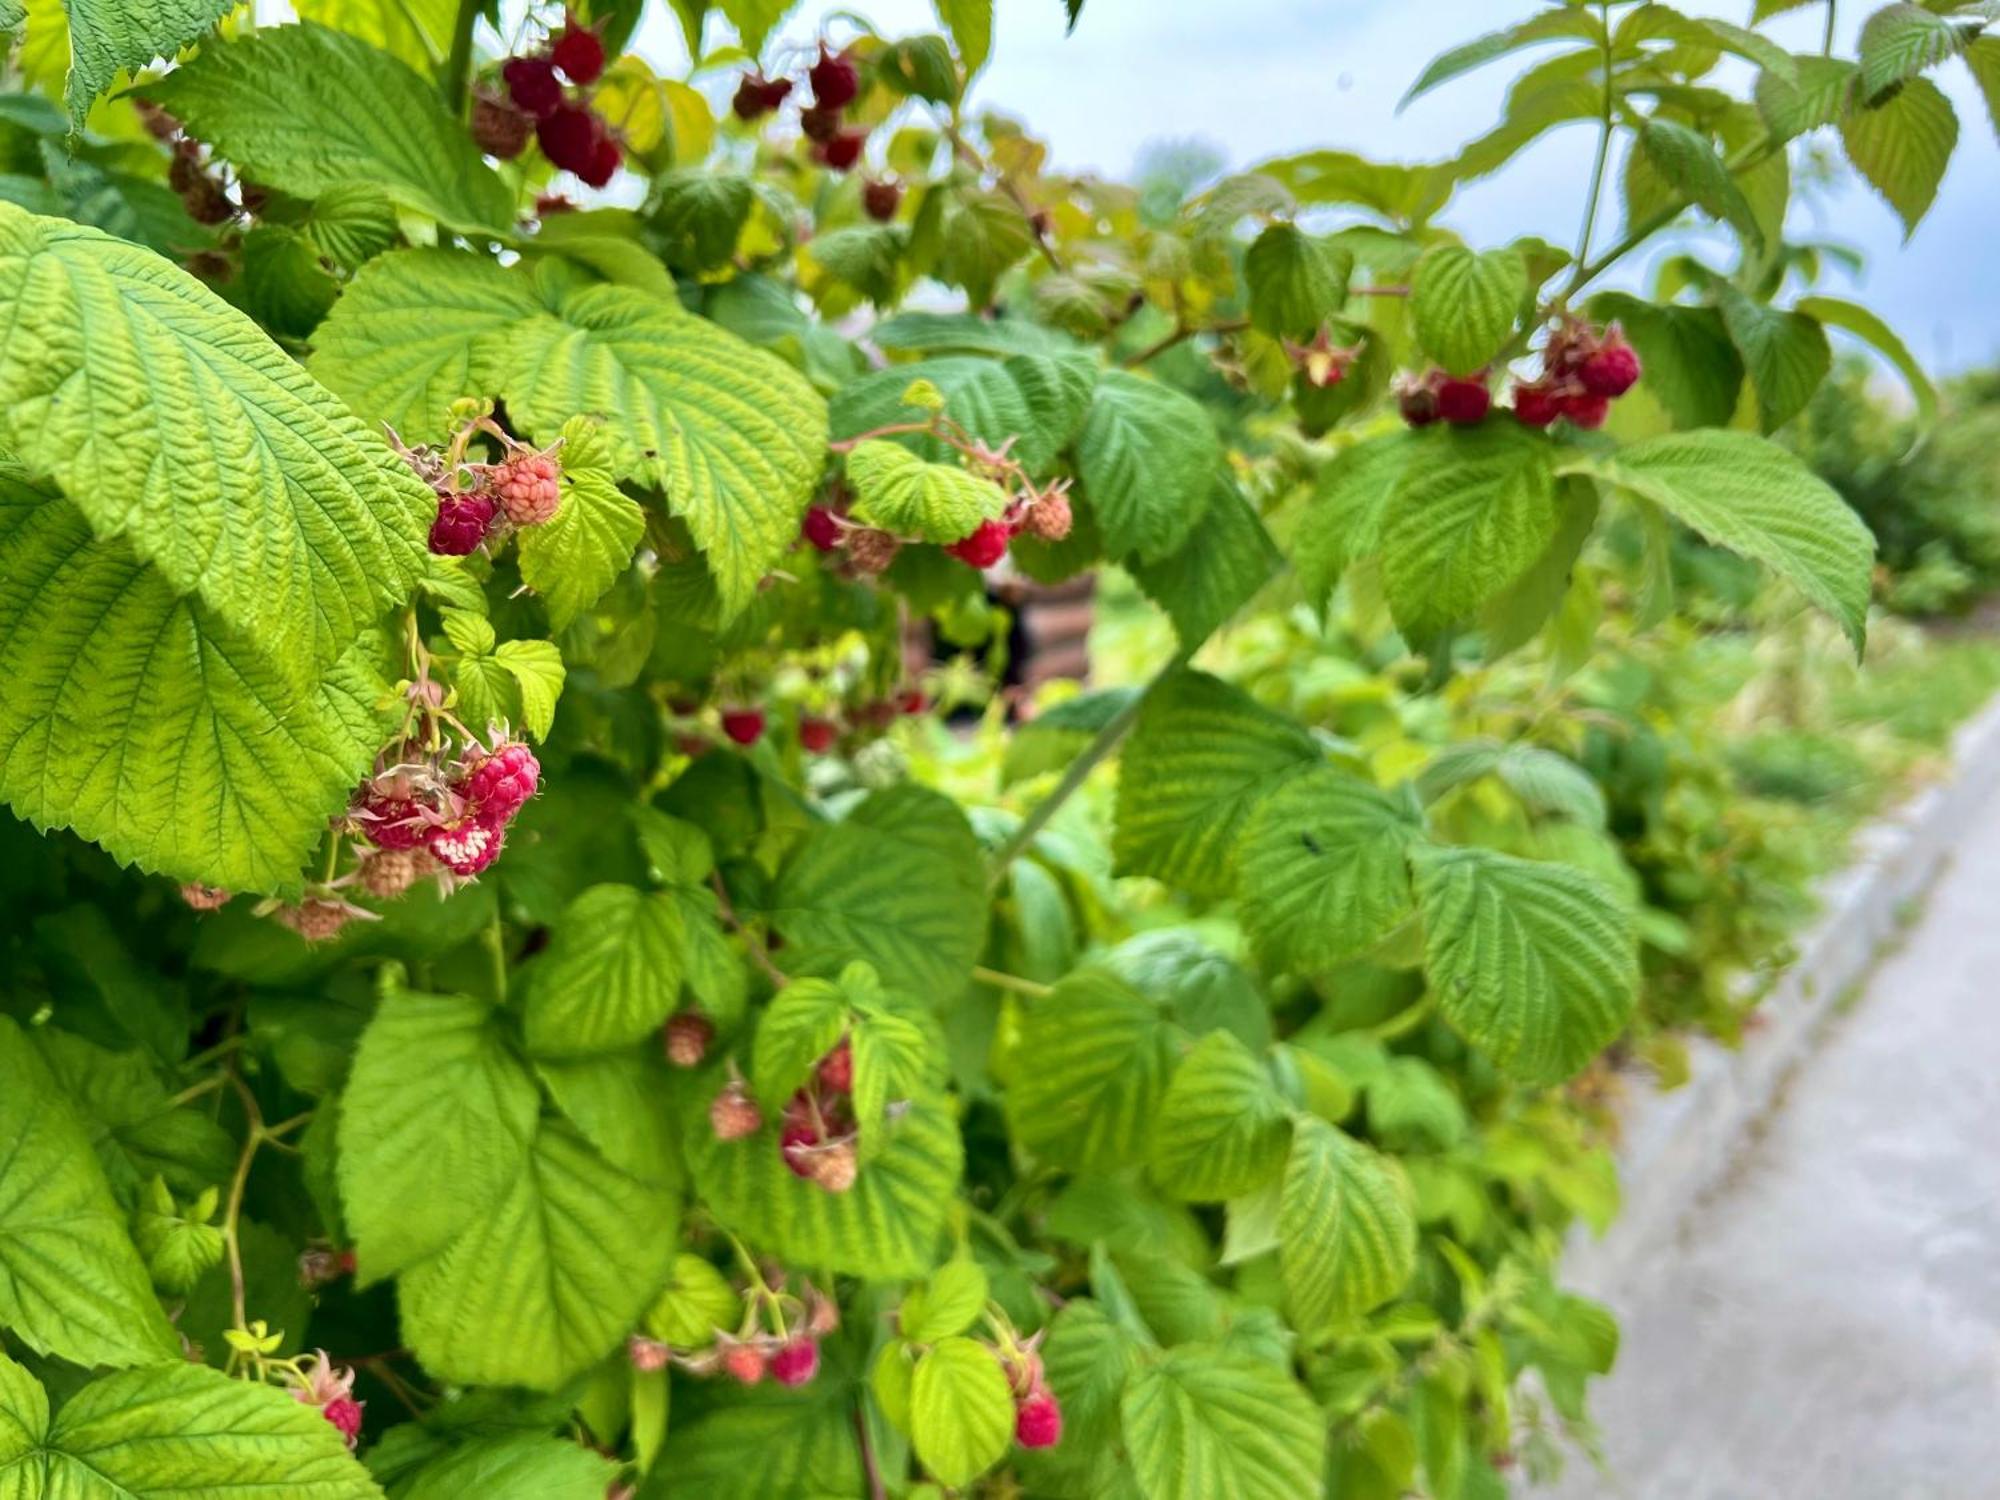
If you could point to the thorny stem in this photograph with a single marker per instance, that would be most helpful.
(1014, 982)
(1603, 144)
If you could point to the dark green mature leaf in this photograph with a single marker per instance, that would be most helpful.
(1146, 459)
(1202, 756)
(306, 109)
(525, 1464)
(1297, 281)
(985, 233)
(1901, 40)
(1551, 24)
(700, 216)
(1902, 146)
(1223, 1127)
(1225, 560)
(1536, 963)
(1786, 354)
(1692, 368)
(1465, 303)
(1347, 1228)
(1689, 162)
(1871, 330)
(1091, 1068)
(1206, 1420)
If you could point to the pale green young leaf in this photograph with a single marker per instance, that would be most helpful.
(695, 1304)
(71, 1283)
(1902, 146)
(1297, 281)
(803, 1023)
(970, 23)
(506, 1464)
(1145, 459)
(1465, 303)
(306, 109)
(1816, 95)
(1321, 875)
(1746, 493)
(1901, 40)
(417, 31)
(1785, 353)
(178, 425)
(1751, 46)
(1689, 162)
(949, 1303)
(1226, 559)
(1471, 511)
(1555, 23)
(1878, 335)
(902, 493)
(572, 558)
(1223, 1127)
(1092, 1065)
(434, 1125)
(1535, 963)
(961, 1411)
(1206, 1421)
(1202, 755)
(1346, 1225)
(537, 670)
(612, 974)
(1218, 211)
(173, 1432)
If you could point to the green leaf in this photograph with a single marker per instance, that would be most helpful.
(1545, 781)
(612, 974)
(150, 725)
(1092, 1066)
(1037, 399)
(107, 37)
(1344, 521)
(136, 1130)
(985, 233)
(1553, 24)
(700, 216)
(284, 285)
(537, 670)
(1207, 1421)
(575, 556)
(1058, 734)
(1689, 162)
(1320, 871)
(1347, 1229)
(735, 437)
(1786, 354)
(896, 882)
(1226, 559)
(620, 1102)
(1465, 303)
(1297, 281)
(1692, 368)
(174, 1432)
(434, 1127)
(961, 1411)
(1878, 335)
(523, 1464)
(417, 31)
(947, 1304)
(306, 109)
(1223, 1128)
(1746, 493)
(902, 493)
(919, 67)
(765, 1444)
(1983, 58)
(1146, 458)
(1816, 96)
(1202, 755)
(803, 1023)
(696, 1303)
(549, 1279)
(1471, 511)
(1536, 963)
(1899, 41)
(71, 1283)
(1902, 146)
(180, 427)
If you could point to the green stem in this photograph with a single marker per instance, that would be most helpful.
(1603, 145)
(458, 61)
(1404, 1020)
(1832, 15)
(1013, 982)
(495, 940)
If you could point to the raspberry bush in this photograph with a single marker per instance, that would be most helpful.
(511, 986)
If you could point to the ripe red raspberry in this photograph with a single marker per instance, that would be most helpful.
(911, 702)
(1586, 411)
(1463, 402)
(743, 725)
(686, 1038)
(527, 489)
(498, 128)
(881, 199)
(796, 1362)
(604, 163)
(569, 135)
(820, 124)
(388, 873)
(386, 821)
(1038, 1421)
(204, 897)
(844, 150)
(1612, 368)
(316, 920)
(1418, 404)
(501, 783)
(648, 1356)
(872, 551)
(462, 523)
(757, 95)
(734, 1114)
(984, 547)
(1049, 517)
(822, 528)
(836, 1069)
(797, 1144)
(345, 1414)
(532, 85)
(578, 51)
(743, 1363)
(834, 1167)
(466, 845)
(834, 78)
(816, 735)
(1535, 404)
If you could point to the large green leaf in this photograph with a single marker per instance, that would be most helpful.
(1786, 354)
(551, 1277)
(110, 36)
(529, 1465)
(1465, 302)
(1902, 145)
(1202, 755)
(417, 31)
(172, 421)
(1226, 559)
(1689, 162)
(961, 1411)
(1296, 281)
(612, 974)
(1472, 509)
(761, 1444)
(306, 109)
(1746, 493)
(1344, 521)
(733, 436)
(1145, 458)
(1089, 1072)
(434, 1127)
(573, 558)
(1983, 58)
(1536, 963)
(1223, 1127)
(174, 1432)
(1816, 95)
(1347, 1229)
(1320, 870)
(895, 882)
(1555, 24)
(1207, 1420)
(70, 1282)
(1901, 40)
(913, 497)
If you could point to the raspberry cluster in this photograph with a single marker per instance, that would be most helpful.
(1462, 400)
(817, 1133)
(523, 488)
(317, 1382)
(1583, 372)
(777, 1335)
(1043, 513)
(820, 730)
(454, 810)
(836, 83)
(547, 96)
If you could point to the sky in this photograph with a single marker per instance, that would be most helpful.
(1259, 78)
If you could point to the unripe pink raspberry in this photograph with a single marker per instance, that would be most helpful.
(835, 1167)
(204, 897)
(526, 488)
(872, 551)
(796, 1362)
(345, 1414)
(834, 78)
(1049, 517)
(836, 1069)
(466, 845)
(984, 547)
(316, 920)
(388, 873)
(648, 1356)
(1038, 1421)
(686, 1038)
(734, 1114)
(743, 1363)
(1462, 401)
(501, 784)
(822, 528)
(1612, 368)
(498, 128)
(388, 822)
(462, 523)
